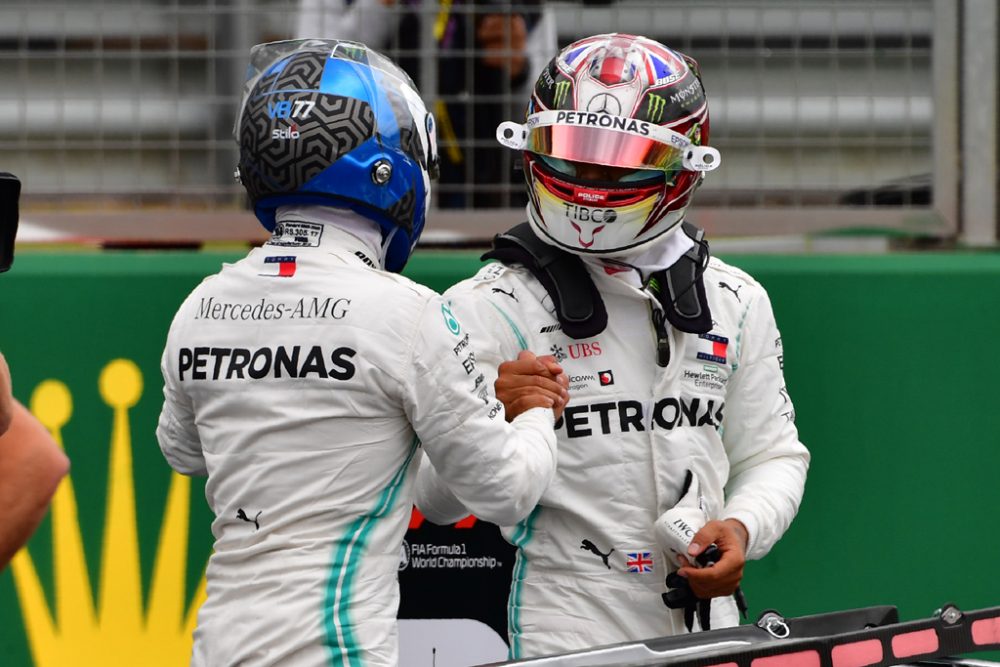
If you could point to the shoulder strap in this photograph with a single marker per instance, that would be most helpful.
(579, 306)
(683, 299)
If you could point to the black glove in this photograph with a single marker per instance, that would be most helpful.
(680, 596)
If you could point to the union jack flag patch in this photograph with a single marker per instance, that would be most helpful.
(638, 561)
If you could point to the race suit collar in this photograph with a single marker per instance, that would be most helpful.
(342, 229)
(635, 269)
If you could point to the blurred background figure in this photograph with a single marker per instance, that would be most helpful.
(488, 52)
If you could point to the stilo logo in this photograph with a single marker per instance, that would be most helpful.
(607, 378)
(124, 627)
(291, 133)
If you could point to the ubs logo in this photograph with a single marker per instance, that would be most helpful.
(583, 350)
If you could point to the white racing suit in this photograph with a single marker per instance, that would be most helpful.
(588, 571)
(303, 381)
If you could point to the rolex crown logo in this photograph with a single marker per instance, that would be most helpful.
(655, 106)
(121, 628)
(562, 90)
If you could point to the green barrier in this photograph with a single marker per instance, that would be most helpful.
(889, 360)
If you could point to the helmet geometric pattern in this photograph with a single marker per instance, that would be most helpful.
(335, 127)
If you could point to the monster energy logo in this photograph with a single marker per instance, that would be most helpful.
(562, 90)
(654, 111)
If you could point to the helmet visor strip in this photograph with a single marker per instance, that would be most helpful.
(601, 138)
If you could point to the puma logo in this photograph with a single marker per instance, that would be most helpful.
(510, 293)
(240, 514)
(736, 292)
(587, 545)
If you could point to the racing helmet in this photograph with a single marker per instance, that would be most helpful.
(332, 122)
(615, 144)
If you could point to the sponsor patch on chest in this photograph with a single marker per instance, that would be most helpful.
(712, 348)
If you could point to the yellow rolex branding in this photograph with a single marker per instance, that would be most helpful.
(119, 625)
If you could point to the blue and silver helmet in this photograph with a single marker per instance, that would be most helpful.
(335, 123)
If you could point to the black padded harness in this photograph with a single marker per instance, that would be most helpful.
(578, 304)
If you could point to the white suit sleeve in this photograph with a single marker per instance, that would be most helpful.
(479, 463)
(768, 464)
(176, 430)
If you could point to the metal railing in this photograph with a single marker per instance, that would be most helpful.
(830, 114)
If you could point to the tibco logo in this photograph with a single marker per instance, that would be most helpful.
(584, 214)
(290, 133)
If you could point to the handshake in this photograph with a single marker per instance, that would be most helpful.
(531, 382)
(10, 192)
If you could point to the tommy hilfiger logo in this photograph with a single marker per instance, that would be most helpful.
(282, 267)
(719, 346)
